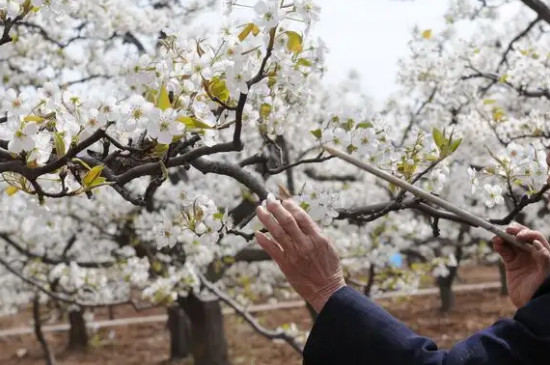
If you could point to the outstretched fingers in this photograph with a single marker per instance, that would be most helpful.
(285, 219)
(271, 247)
(275, 229)
(304, 221)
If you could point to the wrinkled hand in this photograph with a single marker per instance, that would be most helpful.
(527, 269)
(306, 257)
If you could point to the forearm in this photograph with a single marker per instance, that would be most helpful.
(352, 329)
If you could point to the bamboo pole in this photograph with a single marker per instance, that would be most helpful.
(467, 216)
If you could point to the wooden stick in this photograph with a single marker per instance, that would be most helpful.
(467, 216)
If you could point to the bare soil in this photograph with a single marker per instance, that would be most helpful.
(149, 343)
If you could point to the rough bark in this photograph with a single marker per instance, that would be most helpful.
(208, 343)
(78, 335)
(180, 333)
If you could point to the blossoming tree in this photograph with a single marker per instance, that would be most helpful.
(133, 152)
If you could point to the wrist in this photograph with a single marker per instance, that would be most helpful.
(321, 298)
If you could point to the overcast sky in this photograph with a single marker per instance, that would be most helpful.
(371, 35)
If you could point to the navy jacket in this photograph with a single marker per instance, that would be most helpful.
(352, 330)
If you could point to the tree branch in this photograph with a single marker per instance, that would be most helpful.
(269, 334)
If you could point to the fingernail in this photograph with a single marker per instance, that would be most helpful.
(271, 198)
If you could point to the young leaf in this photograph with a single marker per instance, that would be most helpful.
(265, 110)
(303, 62)
(59, 144)
(163, 100)
(160, 150)
(294, 43)
(427, 34)
(456, 144)
(249, 28)
(317, 133)
(364, 125)
(218, 89)
(439, 138)
(193, 123)
(92, 176)
(33, 118)
(11, 190)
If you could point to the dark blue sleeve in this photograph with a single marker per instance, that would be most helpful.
(353, 330)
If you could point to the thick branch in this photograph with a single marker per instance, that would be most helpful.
(540, 8)
(235, 171)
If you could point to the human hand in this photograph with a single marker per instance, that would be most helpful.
(526, 269)
(306, 257)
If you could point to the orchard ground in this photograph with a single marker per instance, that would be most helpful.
(148, 343)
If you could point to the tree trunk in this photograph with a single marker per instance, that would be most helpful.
(48, 354)
(208, 344)
(503, 282)
(78, 335)
(446, 293)
(180, 333)
(447, 298)
(368, 288)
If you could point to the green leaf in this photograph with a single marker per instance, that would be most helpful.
(193, 123)
(439, 138)
(249, 28)
(295, 42)
(163, 100)
(160, 150)
(364, 125)
(218, 89)
(348, 125)
(33, 118)
(12, 190)
(456, 144)
(59, 145)
(304, 62)
(351, 148)
(427, 34)
(91, 177)
(229, 260)
(265, 110)
(317, 133)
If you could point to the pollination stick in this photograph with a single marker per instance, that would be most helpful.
(465, 215)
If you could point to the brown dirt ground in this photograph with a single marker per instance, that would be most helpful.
(148, 344)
